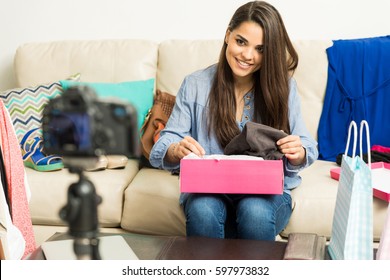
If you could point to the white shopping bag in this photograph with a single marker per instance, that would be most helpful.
(352, 229)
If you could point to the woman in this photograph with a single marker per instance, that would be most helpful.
(251, 82)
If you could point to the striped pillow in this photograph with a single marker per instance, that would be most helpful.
(25, 105)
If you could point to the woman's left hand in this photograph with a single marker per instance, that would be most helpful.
(291, 147)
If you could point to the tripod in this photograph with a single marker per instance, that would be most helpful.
(81, 214)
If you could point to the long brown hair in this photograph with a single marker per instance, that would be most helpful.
(271, 81)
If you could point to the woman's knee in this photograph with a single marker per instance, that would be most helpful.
(203, 205)
(261, 217)
(206, 216)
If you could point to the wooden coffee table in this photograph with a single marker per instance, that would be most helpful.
(149, 247)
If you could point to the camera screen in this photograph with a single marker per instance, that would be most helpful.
(70, 132)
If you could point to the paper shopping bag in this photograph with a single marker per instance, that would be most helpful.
(383, 252)
(352, 229)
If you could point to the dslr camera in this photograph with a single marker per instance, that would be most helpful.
(77, 124)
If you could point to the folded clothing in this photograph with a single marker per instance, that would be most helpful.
(375, 157)
(379, 148)
(256, 140)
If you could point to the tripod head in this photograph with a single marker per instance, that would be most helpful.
(81, 214)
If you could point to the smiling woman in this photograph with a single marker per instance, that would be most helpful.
(244, 56)
(255, 36)
(251, 83)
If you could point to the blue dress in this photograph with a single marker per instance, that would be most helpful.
(358, 89)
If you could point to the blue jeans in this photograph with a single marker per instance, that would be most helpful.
(259, 217)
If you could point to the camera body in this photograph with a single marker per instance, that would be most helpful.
(79, 124)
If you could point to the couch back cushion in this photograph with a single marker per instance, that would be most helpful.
(168, 62)
(109, 61)
(311, 77)
(178, 58)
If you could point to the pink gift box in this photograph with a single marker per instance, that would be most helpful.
(236, 176)
(380, 179)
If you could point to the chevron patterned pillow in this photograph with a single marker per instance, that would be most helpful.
(25, 105)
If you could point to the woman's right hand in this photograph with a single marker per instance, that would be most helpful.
(186, 146)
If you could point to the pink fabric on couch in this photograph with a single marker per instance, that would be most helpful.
(14, 170)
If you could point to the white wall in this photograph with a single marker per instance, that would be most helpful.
(24, 21)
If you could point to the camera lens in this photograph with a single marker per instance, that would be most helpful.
(119, 112)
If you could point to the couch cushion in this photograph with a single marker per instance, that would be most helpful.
(152, 204)
(97, 60)
(315, 200)
(25, 105)
(49, 193)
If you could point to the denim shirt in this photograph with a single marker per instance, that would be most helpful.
(189, 118)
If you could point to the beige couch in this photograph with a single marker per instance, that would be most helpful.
(146, 200)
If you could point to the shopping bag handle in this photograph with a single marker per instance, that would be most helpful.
(363, 124)
(353, 126)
